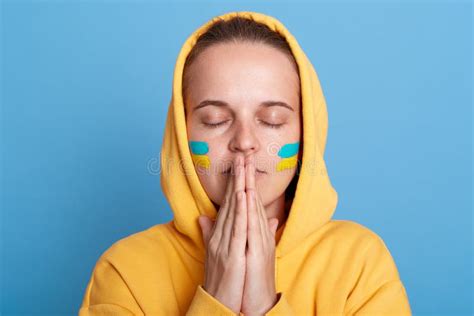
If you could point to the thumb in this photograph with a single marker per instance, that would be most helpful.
(273, 224)
(206, 225)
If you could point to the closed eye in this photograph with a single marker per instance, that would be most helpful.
(214, 125)
(272, 125)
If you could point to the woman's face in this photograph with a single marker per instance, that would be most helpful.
(244, 98)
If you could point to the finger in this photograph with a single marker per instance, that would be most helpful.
(250, 173)
(206, 226)
(254, 234)
(229, 185)
(262, 218)
(250, 186)
(273, 224)
(263, 221)
(229, 221)
(239, 177)
(238, 239)
(224, 207)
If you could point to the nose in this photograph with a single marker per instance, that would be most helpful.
(244, 140)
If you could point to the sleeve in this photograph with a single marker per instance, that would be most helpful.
(378, 289)
(205, 304)
(108, 294)
(282, 307)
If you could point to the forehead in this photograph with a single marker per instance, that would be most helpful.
(243, 72)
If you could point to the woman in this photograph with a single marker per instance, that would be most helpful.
(243, 171)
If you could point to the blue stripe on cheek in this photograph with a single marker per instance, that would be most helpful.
(199, 148)
(289, 150)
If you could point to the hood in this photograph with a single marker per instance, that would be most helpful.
(315, 199)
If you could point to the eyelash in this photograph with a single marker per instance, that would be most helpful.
(272, 125)
(264, 123)
(215, 125)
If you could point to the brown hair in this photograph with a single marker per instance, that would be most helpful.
(235, 30)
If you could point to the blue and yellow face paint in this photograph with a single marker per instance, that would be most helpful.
(199, 152)
(289, 153)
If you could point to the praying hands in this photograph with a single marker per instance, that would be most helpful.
(240, 246)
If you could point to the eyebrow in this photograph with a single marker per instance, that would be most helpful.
(225, 104)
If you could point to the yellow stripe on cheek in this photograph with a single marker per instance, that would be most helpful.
(201, 160)
(287, 163)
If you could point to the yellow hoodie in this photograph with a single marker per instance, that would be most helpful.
(322, 266)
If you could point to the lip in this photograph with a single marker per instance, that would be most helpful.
(258, 171)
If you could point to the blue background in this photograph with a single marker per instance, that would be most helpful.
(85, 91)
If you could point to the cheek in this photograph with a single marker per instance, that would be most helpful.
(288, 154)
(217, 156)
(207, 157)
(281, 155)
(199, 153)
